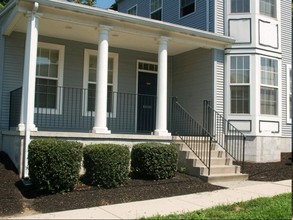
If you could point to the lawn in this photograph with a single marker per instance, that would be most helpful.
(277, 207)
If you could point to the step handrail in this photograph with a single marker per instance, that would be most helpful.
(228, 137)
(194, 135)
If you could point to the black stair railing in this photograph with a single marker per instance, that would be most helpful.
(195, 136)
(224, 133)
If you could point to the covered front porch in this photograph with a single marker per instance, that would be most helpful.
(51, 97)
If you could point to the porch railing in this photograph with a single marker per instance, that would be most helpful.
(72, 109)
(195, 136)
(224, 133)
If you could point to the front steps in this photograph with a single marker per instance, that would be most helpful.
(222, 168)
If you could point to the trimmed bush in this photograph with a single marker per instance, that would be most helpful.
(54, 165)
(106, 165)
(154, 160)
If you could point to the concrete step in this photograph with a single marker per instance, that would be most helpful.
(225, 177)
(214, 162)
(187, 154)
(183, 146)
(201, 170)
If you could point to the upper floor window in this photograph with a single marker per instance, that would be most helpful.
(187, 7)
(49, 77)
(269, 86)
(133, 10)
(240, 6)
(240, 84)
(268, 7)
(156, 9)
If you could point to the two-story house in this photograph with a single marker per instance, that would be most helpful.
(143, 73)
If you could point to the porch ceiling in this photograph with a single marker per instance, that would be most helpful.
(127, 31)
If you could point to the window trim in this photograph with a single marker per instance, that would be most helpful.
(181, 17)
(158, 9)
(59, 104)
(239, 84)
(87, 54)
(288, 69)
(270, 87)
(135, 6)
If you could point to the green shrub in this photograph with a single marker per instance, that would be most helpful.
(154, 160)
(54, 165)
(106, 165)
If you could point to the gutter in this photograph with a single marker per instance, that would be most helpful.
(134, 19)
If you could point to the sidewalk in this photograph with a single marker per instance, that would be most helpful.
(236, 192)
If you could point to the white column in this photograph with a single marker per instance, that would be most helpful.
(161, 111)
(29, 73)
(102, 81)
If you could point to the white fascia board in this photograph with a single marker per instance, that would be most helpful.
(64, 5)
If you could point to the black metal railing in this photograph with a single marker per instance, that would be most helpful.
(195, 136)
(224, 133)
(72, 109)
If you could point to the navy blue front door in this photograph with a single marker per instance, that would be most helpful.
(146, 108)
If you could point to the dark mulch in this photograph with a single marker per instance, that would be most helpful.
(16, 199)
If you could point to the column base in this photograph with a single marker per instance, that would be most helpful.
(101, 130)
(32, 127)
(162, 133)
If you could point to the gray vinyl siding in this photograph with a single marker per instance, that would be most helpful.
(12, 72)
(286, 41)
(171, 12)
(193, 80)
(219, 80)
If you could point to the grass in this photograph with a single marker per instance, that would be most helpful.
(277, 207)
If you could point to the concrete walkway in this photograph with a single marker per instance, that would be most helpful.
(236, 192)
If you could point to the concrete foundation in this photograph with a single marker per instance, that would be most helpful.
(266, 149)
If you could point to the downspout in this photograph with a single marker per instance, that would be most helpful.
(27, 128)
(207, 15)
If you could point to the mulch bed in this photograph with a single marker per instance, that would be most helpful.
(16, 199)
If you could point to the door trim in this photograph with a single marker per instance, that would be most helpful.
(138, 69)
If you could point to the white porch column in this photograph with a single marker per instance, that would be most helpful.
(161, 111)
(102, 81)
(29, 72)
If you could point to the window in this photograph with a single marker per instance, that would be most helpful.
(187, 7)
(268, 7)
(289, 94)
(156, 9)
(269, 86)
(90, 69)
(133, 10)
(49, 78)
(240, 6)
(239, 84)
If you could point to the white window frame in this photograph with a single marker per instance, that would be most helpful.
(269, 15)
(158, 9)
(240, 84)
(59, 104)
(289, 92)
(133, 7)
(87, 54)
(240, 11)
(262, 85)
(180, 16)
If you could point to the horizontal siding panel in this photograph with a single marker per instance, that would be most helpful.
(286, 36)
